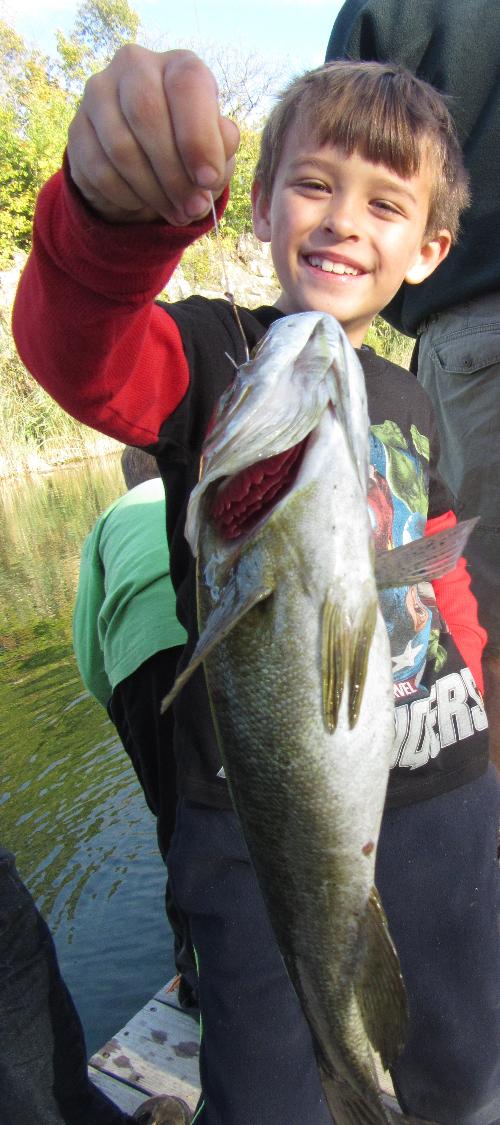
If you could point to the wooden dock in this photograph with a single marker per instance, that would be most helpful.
(157, 1053)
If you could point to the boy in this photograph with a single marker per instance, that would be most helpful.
(359, 186)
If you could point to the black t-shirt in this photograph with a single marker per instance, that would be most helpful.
(441, 737)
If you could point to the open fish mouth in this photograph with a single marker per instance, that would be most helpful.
(244, 500)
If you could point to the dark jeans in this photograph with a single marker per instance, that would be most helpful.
(43, 1059)
(147, 735)
(439, 881)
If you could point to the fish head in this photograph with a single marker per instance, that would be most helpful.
(303, 368)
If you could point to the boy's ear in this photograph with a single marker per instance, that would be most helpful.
(260, 213)
(429, 257)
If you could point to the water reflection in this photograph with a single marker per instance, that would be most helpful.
(71, 808)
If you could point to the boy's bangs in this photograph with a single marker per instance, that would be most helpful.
(369, 117)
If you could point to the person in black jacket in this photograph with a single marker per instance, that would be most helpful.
(455, 45)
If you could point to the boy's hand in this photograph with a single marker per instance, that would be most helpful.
(148, 140)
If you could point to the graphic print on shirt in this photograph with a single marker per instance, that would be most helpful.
(397, 497)
(428, 718)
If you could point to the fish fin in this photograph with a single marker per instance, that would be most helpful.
(361, 639)
(345, 649)
(347, 1106)
(380, 989)
(334, 659)
(231, 608)
(423, 559)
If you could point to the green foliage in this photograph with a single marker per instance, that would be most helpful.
(32, 425)
(38, 98)
(238, 216)
(101, 27)
(387, 341)
(201, 262)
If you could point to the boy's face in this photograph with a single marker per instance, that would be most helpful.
(345, 233)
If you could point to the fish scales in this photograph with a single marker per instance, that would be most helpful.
(298, 670)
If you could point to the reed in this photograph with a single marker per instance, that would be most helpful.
(35, 433)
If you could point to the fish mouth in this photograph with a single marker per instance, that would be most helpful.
(244, 500)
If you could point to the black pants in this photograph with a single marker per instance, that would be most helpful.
(439, 882)
(43, 1058)
(147, 735)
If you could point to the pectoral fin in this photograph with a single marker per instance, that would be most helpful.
(361, 640)
(345, 652)
(230, 609)
(334, 660)
(423, 559)
(380, 990)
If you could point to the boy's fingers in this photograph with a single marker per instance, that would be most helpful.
(148, 139)
(204, 141)
(116, 197)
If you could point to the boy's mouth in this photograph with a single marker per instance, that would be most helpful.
(328, 265)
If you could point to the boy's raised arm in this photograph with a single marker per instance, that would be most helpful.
(85, 321)
(148, 140)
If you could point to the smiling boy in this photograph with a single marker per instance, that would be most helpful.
(359, 186)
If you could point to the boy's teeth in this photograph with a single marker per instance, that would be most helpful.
(333, 267)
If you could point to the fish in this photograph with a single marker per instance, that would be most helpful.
(298, 671)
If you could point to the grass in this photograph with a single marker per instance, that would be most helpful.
(35, 433)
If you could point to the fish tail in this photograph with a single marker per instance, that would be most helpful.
(348, 1107)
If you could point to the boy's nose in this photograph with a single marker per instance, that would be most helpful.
(341, 220)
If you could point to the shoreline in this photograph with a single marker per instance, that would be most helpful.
(26, 461)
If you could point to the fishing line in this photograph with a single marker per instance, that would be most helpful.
(228, 295)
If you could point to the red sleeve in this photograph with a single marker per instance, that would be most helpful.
(458, 606)
(85, 321)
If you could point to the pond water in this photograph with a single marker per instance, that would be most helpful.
(71, 808)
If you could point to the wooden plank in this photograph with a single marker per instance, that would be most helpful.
(156, 1051)
(168, 995)
(124, 1096)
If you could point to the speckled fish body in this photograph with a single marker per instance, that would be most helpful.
(298, 669)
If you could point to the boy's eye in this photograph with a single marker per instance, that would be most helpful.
(386, 206)
(313, 185)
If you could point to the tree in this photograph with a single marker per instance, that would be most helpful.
(101, 27)
(238, 215)
(38, 98)
(246, 81)
(34, 116)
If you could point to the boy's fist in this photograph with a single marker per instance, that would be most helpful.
(148, 140)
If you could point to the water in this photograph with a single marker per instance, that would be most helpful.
(71, 808)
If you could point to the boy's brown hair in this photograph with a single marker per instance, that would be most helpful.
(382, 112)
